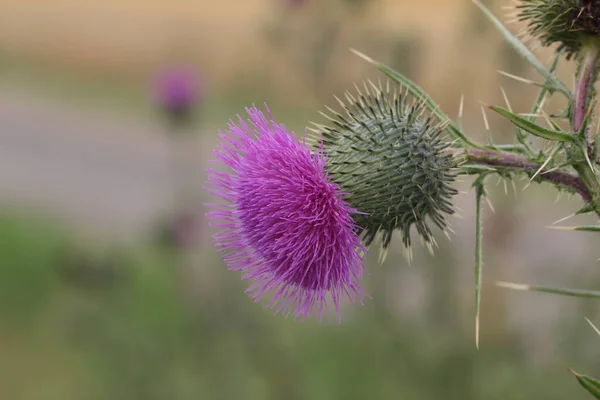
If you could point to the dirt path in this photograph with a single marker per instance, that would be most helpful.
(100, 171)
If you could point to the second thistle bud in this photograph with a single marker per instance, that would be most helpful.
(568, 23)
(389, 159)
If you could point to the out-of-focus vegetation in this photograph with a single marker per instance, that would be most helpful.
(118, 323)
(86, 314)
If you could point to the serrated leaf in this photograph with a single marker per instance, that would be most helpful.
(421, 95)
(554, 84)
(590, 384)
(534, 128)
(552, 290)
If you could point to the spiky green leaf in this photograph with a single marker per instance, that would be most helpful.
(590, 384)
(583, 228)
(553, 290)
(534, 129)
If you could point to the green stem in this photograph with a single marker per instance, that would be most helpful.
(584, 92)
(479, 194)
(584, 85)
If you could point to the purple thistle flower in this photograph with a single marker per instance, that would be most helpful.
(285, 225)
(177, 92)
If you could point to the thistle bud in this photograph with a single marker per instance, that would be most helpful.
(568, 23)
(389, 159)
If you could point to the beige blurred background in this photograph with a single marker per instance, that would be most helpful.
(110, 288)
(227, 39)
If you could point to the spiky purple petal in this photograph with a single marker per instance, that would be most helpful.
(284, 223)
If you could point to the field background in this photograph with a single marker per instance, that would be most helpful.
(95, 305)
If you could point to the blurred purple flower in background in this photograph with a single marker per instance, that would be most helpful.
(284, 223)
(178, 91)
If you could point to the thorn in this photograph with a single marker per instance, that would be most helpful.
(341, 103)
(327, 116)
(363, 56)
(484, 104)
(485, 120)
(477, 331)
(487, 199)
(506, 99)
(378, 90)
(563, 219)
(514, 286)
(558, 197)
(550, 157)
(430, 247)
(587, 158)
(408, 253)
(547, 118)
(549, 170)
(382, 256)
(358, 90)
(487, 126)
(593, 326)
(517, 78)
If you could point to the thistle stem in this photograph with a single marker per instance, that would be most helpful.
(513, 161)
(585, 80)
(584, 92)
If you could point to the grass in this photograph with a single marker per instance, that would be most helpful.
(125, 327)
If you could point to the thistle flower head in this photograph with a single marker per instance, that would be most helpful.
(178, 90)
(284, 223)
(567, 23)
(390, 160)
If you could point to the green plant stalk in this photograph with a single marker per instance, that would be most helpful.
(479, 194)
(584, 93)
(584, 85)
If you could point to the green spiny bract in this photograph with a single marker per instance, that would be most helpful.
(391, 161)
(568, 23)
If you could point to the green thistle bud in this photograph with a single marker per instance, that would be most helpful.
(390, 159)
(568, 23)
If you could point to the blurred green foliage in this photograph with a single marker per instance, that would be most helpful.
(124, 328)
